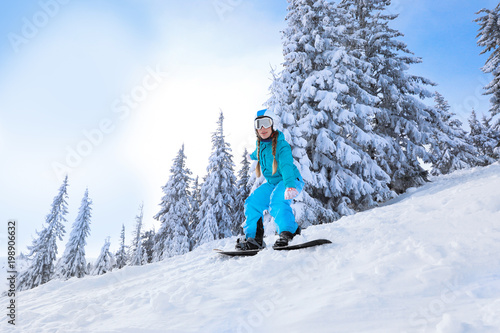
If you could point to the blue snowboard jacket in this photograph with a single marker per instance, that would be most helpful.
(287, 171)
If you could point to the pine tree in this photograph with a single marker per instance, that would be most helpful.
(218, 191)
(493, 132)
(173, 237)
(489, 39)
(449, 147)
(73, 261)
(147, 245)
(136, 253)
(121, 254)
(105, 262)
(243, 189)
(483, 139)
(401, 117)
(327, 113)
(43, 251)
(194, 220)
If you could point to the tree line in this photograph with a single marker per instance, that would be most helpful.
(190, 214)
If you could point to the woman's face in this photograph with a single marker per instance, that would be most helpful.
(265, 133)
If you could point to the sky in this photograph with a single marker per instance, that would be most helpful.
(109, 91)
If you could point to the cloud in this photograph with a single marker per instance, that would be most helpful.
(68, 76)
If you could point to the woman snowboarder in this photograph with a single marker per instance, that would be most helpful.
(283, 183)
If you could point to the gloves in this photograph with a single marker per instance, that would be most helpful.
(291, 193)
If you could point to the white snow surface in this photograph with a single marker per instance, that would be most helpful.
(428, 261)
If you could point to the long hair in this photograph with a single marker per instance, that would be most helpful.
(274, 137)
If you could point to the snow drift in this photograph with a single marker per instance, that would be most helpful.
(426, 262)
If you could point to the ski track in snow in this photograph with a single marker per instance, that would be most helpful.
(426, 262)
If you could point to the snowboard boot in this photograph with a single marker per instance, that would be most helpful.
(286, 237)
(249, 244)
(256, 243)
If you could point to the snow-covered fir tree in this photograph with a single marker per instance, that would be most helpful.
(489, 39)
(43, 251)
(105, 262)
(173, 236)
(148, 242)
(327, 113)
(136, 252)
(73, 261)
(401, 117)
(483, 138)
(244, 189)
(194, 219)
(218, 191)
(449, 147)
(121, 254)
(493, 132)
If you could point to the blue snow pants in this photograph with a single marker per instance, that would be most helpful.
(270, 197)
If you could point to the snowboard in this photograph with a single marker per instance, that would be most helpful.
(247, 253)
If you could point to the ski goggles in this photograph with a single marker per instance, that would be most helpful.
(263, 122)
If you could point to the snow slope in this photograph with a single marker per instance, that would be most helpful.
(427, 262)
